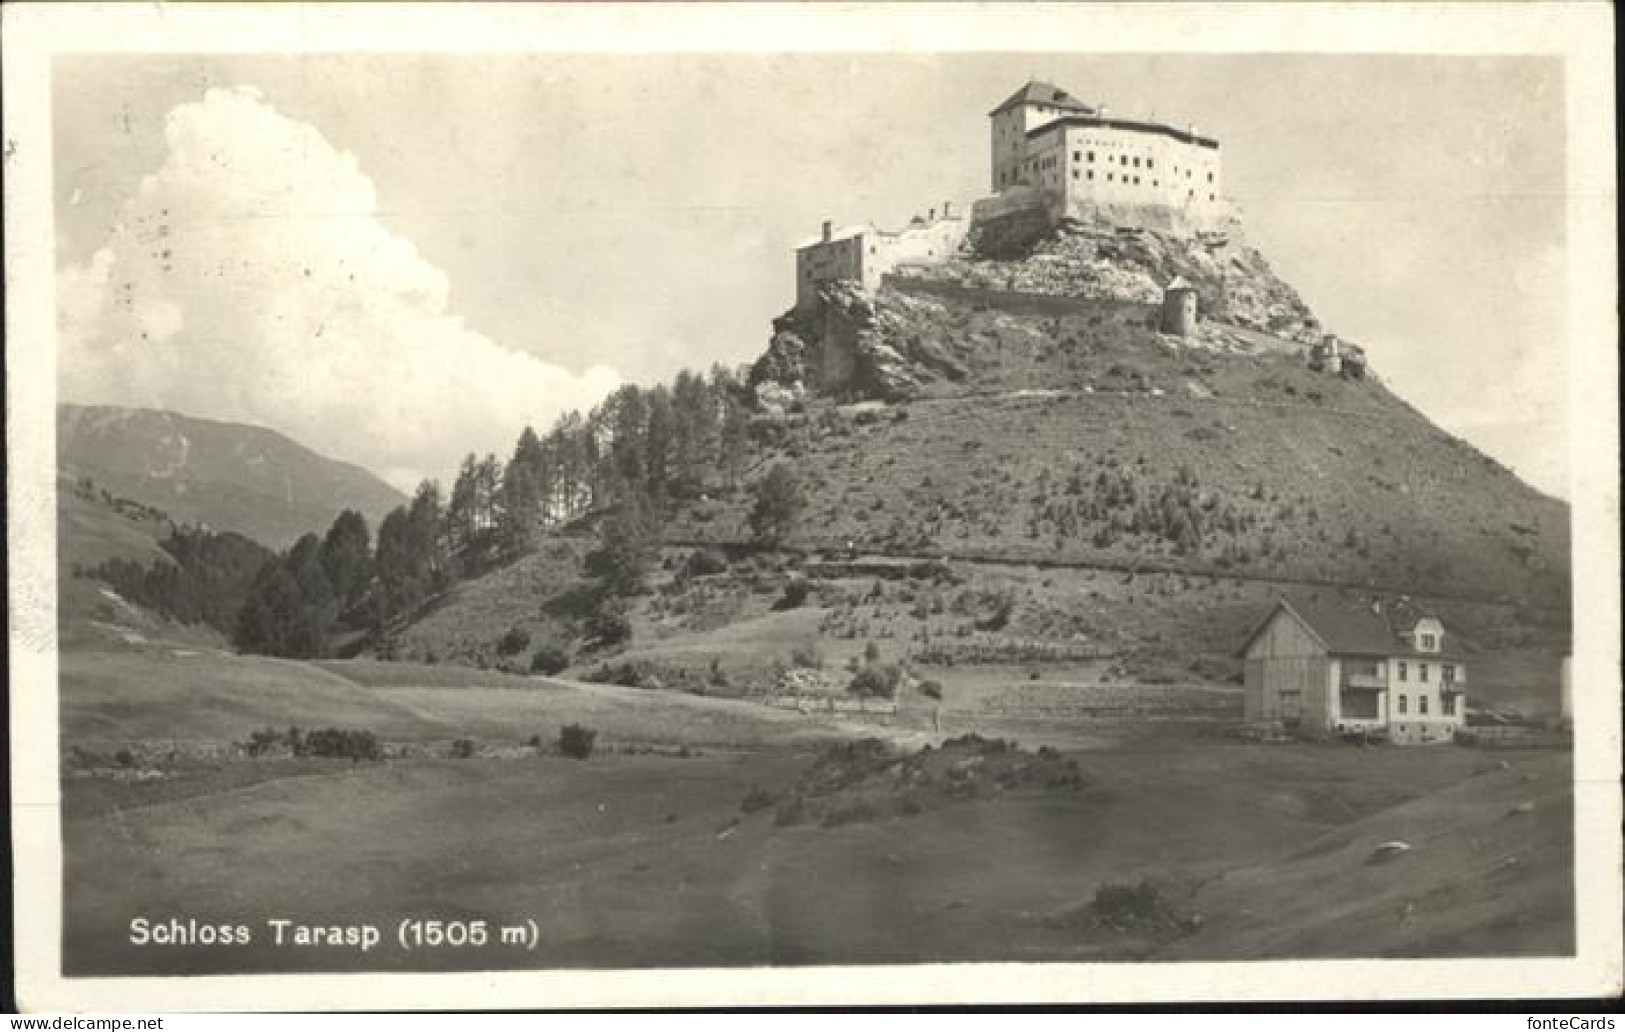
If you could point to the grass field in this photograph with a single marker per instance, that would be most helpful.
(648, 861)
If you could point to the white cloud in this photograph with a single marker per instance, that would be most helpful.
(250, 279)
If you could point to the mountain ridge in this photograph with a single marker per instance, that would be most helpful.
(224, 475)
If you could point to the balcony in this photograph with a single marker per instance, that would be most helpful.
(1365, 679)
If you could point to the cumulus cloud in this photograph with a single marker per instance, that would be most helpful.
(250, 279)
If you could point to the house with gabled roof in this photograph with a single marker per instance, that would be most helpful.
(1328, 666)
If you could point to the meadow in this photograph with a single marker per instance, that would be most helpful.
(646, 854)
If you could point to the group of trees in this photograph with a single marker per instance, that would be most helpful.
(205, 580)
(298, 596)
(632, 457)
(647, 447)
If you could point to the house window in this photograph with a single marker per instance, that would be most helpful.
(1404, 672)
(1210, 177)
(1422, 705)
(1076, 156)
(1402, 705)
(1155, 183)
(1111, 177)
(1150, 164)
(1091, 173)
(1447, 673)
(1136, 180)
(1091, 157)
(1449, 705)
(1429, 643)
(1210, 197)
(1074, 173)
(1422, 672)
(1136, 162)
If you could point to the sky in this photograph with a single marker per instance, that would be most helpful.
(399, 259)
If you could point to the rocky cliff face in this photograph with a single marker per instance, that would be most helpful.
(892, 345)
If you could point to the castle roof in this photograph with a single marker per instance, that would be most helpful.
(1090, 121)
(1036, 92)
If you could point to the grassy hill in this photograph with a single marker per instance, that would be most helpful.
(642, 860)
(1089, 489)
(227, 476)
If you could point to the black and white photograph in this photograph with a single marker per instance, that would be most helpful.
(991, 485)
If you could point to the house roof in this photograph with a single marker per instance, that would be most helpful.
(1036, 92)
(1349, 627)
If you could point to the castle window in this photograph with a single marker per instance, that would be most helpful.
(1111, 177)
(1422, 705)
(1136, 180)
(1150, 164)
(1091, 174)
(1210, 197)
(1448, 704)
(1421, 671)
(1210, 177)
(1077, 156)
(1136, 162)
(1091, 156)
(1155, 183)
(1187, 173)
(1074, 173)
(1402, 705)
(1404, 673)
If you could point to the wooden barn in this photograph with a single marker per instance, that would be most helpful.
(1338, 666)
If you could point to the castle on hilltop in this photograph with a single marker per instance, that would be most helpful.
(1054, 158)
(1080, 160)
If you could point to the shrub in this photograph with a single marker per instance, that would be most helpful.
(877, 679)
(931, 689)
(463, 749)
(576, 741)
(608, 624)
(516, 640)
(795, 594)
(809, 655)
(338, 743)
(1120, 903)
(758, 798)
(125, 758)
(705, 562)
(549, 659)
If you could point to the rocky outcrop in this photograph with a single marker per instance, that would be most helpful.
(1234, 282)
(851, 345)
(932, 326)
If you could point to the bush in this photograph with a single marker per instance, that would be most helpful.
(608, 625)
(1121, 903)
(577, 741)
(809, 655)
(515, 641)
(877, 679)
(337, 743)
(705, 562)
(758, 798)
(463, 749)
(795, 594)
(125, 758)
(931, 689)
(549, 659)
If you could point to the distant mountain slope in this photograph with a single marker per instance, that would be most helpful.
(229, 476)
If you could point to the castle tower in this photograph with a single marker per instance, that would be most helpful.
(1179, 309)
(1034, 105)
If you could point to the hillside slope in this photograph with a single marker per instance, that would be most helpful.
(227, 476)
(1093, 489)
